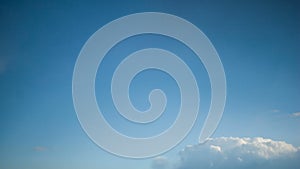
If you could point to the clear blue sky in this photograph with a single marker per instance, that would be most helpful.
(258, 43)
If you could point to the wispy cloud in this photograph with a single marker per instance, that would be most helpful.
(296, 114)
(40, 148)
(241, 153)
(160, 163)
(275, 110)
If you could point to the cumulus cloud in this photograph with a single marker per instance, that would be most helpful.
(240, 153)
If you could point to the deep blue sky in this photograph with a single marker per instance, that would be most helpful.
(258, 43)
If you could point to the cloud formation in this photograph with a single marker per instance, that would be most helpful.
(160, 163)
(240, 153)
(297, 114)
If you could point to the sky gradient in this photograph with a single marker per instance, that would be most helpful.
(257, 41)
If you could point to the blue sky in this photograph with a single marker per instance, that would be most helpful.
(258, 43)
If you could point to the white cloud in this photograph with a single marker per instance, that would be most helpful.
(160, 163)
(297, 114)
(240, 153)
(215, 148)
